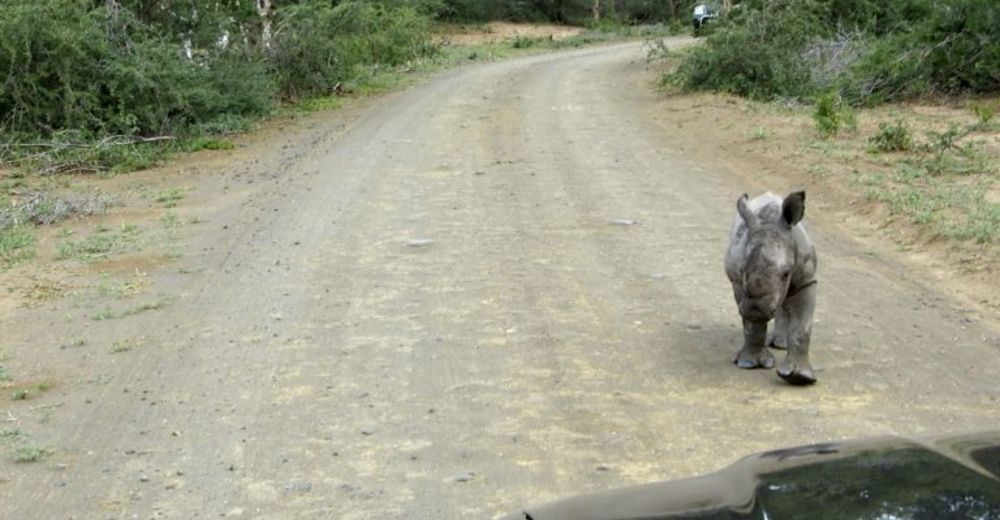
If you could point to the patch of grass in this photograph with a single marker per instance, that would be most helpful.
(984, 115)
(24, 449)
(980, 223)
(122, 346)
(207, 143)
(30, 452)
(891, 138)
(524, 42)
(759, 134)
(76, 342)
(376, 80)
(44, 208)
(4, 375)
(320, 104)
(108, 314)
(102, 243)
(125, 289)
(145, 307)
(818, 170)
(24, 393)
(105, 314)
(17, 244)
(170, 220)
(170, 197)
(939, 205)
(832, 114)
(11, 435)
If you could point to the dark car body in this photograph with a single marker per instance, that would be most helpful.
(956, 477)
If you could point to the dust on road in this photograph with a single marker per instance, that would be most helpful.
(501, 287)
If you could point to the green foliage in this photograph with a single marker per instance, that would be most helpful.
(30, 453)
(318, 47)
(832, 114)
(85, 85)
(564, 11)
(756, 52)
(984, 113)
(102, 243)
(67, 73)
(17, 243)
(869, 51)
(891, 138)
(208, 143)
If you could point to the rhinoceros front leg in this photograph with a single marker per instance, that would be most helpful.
(798, 309)
(754, 354)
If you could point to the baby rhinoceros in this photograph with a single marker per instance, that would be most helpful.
(772, 265)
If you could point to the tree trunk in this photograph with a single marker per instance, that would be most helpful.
(264, 10)
(597, 10)
(672, 5)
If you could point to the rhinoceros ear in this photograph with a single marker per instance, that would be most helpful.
(746, 214)
(793, 208)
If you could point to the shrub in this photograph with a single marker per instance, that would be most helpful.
(869, 51)
(80, 75)
(318, 46)
(67, 73)
(891, 138)
(832, 114)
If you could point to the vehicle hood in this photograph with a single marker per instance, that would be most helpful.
(886, 477)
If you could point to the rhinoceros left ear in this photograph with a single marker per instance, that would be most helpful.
(745, 213)
(793, 208)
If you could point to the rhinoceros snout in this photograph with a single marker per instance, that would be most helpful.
(752, 311)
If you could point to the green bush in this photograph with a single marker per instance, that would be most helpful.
(67, 73)
(869, 51)
(756, 52)
(78, 75)
(318, 46)
(891, 138)
(832, 114)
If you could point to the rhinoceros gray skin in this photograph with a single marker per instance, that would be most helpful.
(771, 263)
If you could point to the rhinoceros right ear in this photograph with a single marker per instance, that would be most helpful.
(793, 208)
(746, 214)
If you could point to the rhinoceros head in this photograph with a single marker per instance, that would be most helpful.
(770, 254)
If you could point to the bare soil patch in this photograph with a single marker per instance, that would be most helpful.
(777, 147)
(502, 31)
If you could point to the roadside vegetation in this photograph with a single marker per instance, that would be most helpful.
(111, 86)
(838, 59)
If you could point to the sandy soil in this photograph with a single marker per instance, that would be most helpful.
(778, 149)
(500, 287)
(500, 31)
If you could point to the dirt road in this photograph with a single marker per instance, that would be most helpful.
(501, 287)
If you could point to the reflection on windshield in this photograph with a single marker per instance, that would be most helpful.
(908, 484)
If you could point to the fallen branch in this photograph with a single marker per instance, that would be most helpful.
(111, 140)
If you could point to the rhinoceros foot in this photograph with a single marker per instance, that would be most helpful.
(759, 359)
(796, 373)
(777, 341)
